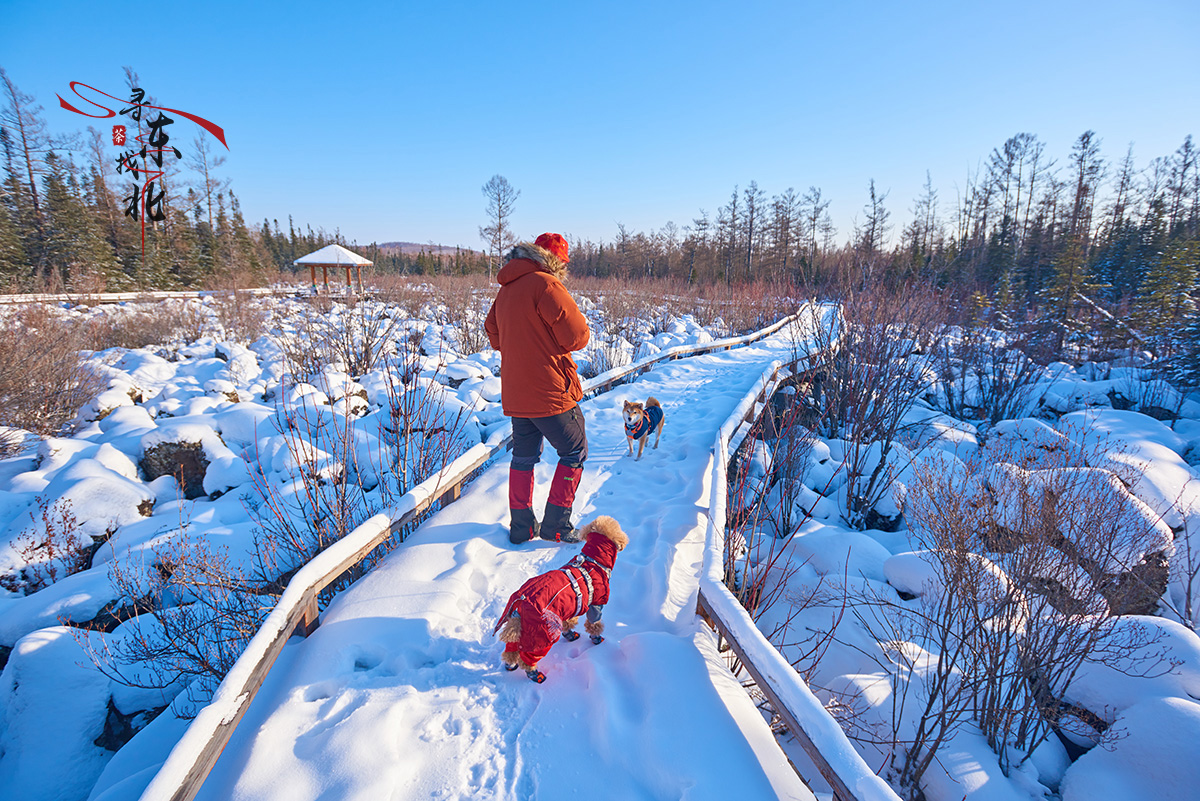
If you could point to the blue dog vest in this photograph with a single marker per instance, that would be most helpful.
(651, 417)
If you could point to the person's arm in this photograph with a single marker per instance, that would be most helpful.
(566, 322)
(493, 330)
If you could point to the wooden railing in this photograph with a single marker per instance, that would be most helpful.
(296, 613)
(848, 776)
(99, 298)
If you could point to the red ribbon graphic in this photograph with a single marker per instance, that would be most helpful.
(211, 127)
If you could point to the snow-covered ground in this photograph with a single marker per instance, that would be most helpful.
(1117, 473)
(241, 408)
(400, 694)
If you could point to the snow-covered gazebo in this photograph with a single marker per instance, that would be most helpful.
(337, 257)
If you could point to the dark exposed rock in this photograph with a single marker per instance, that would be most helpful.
(1159, 413)
(120, 728)
(184, 460)
(874, 520)
(1137, 591)
(1119, 401)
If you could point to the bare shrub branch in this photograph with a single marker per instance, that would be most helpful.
(44, 380)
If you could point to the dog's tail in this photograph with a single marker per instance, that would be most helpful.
(653, 401)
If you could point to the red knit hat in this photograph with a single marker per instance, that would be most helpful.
(555, 244)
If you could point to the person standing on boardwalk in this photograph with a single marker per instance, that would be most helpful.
(535, 325)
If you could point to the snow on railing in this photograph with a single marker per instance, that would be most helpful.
(848, 775)
(296, 613)
(99, 298)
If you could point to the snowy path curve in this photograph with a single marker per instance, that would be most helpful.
(400, 693)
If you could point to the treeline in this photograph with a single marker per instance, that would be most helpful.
(1029, 233)
(64, 227)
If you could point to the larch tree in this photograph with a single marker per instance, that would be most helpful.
(30, 144)
(728, 228)
(754, 202)
(923, 231)
(204, 161)
(1071, 277)
(816, 228)
(872, 235)
(501, 198)
(785, 214)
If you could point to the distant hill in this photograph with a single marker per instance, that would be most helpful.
(414, 248)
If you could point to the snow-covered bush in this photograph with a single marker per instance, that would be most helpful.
(354, 339)
(983, 375)
(1013, 587)
(871, 370)
(43, 378)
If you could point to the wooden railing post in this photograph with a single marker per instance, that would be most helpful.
(310, 620)
(451, 495)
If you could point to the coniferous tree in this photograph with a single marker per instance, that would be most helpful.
(1165, 300)
(76, 254)
(30, 144)
(13, 266)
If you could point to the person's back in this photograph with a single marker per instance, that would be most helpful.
(538, 375)
(535, 325)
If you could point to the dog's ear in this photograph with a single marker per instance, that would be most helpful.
(606, 527)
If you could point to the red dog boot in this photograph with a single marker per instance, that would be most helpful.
(535, 675)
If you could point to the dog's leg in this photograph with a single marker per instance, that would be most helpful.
(596, 629)
(630, 441)
(658, 435)
(642, 444)
(569, 633)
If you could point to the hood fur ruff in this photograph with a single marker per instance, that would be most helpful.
(546, 261)
(605, 526)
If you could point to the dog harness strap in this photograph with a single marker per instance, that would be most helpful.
(587, 578)
(607, 570)
(579, 601)
(637, 429)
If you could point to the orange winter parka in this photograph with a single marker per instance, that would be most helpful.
(535, 325)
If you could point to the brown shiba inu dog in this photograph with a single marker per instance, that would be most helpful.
(640, 420)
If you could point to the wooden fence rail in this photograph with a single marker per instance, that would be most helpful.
(848, 776)
(297, 613)
(101, 298)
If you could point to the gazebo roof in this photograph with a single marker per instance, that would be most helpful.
(333, 256)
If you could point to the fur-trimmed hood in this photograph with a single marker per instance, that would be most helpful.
(544, 260)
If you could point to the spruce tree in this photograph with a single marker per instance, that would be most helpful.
(13, 266)
(77, 255)
(1165, 300)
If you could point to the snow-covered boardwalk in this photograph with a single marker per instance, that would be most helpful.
(400, 693)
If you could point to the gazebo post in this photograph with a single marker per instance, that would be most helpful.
(349, 289)
(325, 277)
(312, 269)
(358, 272)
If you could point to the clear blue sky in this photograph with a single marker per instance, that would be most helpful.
(384, 120)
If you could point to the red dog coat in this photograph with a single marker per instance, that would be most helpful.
(545, 602)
